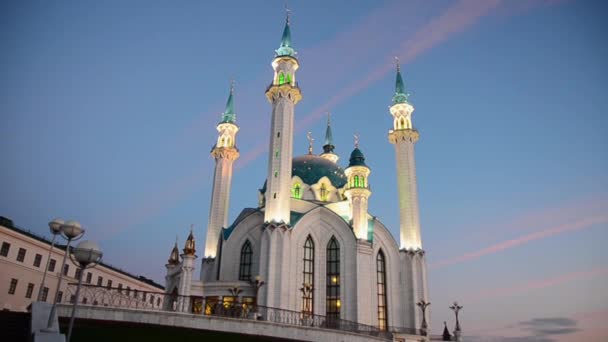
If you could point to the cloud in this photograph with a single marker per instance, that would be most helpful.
(543, 329)
(537, 284)
(515, 242)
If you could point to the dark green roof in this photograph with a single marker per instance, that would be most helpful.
(311, 168)
(400, 95)
(357, 158)
(285, 48)
(229, 115)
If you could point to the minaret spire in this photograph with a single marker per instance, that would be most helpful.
(357, 191)
(285, 49)
(400, 95)
(225, 153)
(328, 147)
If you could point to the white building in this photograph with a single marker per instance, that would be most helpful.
(310, 239)
(23, 257)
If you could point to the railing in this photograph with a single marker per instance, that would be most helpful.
(159, 301)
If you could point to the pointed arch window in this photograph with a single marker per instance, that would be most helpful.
(308, 280)
(381, 286)
(323, 192)
(245, 266)
(288, 79)
(332, 302)
(356, 181)
(296, 191)
(281, 78)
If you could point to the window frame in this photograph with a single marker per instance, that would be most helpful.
(245, 261)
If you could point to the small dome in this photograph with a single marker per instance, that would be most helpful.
(357, 158)
(311, 168)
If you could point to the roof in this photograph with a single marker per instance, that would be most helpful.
(311, 168)
(8, 223)
(357, 158)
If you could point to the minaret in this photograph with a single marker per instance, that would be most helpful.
(225, 153)
(187, 267)
(328, 147)
(283, 94)
(404, 136)
(357, 190)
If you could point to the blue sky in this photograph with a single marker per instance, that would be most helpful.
(109, 110)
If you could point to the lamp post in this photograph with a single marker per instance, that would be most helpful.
(71, 231)
(86, 255)
(423, 305)
(257, 283)
(456, 308)
(55, 227)
(307, 290)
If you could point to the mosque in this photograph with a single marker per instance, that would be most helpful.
(309, 245)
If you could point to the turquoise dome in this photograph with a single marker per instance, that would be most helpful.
(311, 168)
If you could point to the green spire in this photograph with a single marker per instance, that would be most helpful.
(229, 115)
(400, 95)
(285, 49)
(329, 139)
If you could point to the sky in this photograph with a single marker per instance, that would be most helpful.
(108, 113)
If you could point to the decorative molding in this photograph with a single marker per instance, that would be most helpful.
(409, 135)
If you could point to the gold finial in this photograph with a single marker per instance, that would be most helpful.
(287, 12)
(397, 63)
(356, 135)
(310, 141)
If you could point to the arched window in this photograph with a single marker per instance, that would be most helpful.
(381, 283)
(296, 192)
(281, 78)
(288, 79)
(323, 192)
(401, 123)
(356, 181)
(245, 268)
(332, 302)
(308, 274)
(362, 182)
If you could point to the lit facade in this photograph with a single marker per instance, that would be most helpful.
(311, 238)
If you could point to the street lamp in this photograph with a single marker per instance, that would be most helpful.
(307, 290)
(55, 228)
(256, 283)
(86, 255)
(456, 308)
(71, 230)
(423, 305)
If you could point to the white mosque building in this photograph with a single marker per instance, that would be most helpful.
(309, 245)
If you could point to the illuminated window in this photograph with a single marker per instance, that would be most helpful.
(333, 303)
(276, 174)
(246, 255)
(276, 154)
(356, 181)
(308, 277)
(401, 123)
(281, 78)
(296, 192)
(323, 192)
(288, 78)
(362, 182)
(381, 283)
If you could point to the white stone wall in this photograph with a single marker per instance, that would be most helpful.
(220, 197)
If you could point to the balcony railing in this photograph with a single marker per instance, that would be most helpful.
(146, 300)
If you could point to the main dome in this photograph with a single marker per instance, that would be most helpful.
(311, 168)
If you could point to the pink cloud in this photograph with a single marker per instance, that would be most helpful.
(511, 243)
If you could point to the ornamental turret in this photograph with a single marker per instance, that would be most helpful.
(357, 191)
(225, 153)
(190, 245)
(328, 146)
(174, 256)
(404, 136)
(283, 94)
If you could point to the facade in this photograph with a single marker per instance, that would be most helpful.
(310, 245)
(23, 257)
